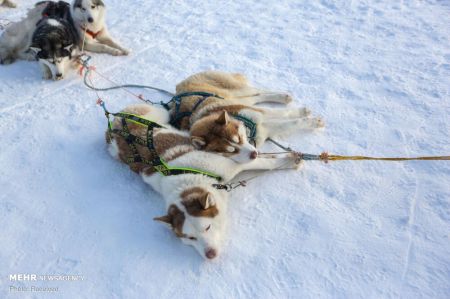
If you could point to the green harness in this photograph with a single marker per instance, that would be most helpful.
(158, 163)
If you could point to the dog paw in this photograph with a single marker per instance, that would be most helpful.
(116, 52)
(6, 61)
(299, 165)
(310, 123)
(297, 160)
(126, 52)
(288, 99)
(304, 112)
(318, 123)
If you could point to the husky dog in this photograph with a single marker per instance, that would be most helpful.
(15, 41)
(233, 94)
(86, 16)
(195, 208)
(8, 3)
(89, 17)
(55, 41)
(47, 34)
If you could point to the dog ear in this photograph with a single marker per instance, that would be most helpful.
(223, 118)
(35, 50)
(99, 2)
(206, 201)
(198, 142)
(166, 219)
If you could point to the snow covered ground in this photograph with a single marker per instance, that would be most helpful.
(377, 71)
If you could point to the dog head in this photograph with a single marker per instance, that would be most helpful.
(89, 14)
(222, 134)
(197, 218)
(54, 46)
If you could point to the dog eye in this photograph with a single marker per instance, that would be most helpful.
(192, 238)
(93, 6)
(207, 229)
(231, 149)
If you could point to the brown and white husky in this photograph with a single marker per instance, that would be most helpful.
(233, 94)
(196, 210)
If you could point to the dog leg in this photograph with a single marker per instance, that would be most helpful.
(251, 96)
(6, 57)
(285, 161)
(286, 113)
(105, 38)
(272, 128)
(101, 48)
(271, 97)
(46, 72)
(280, 126)
(10, 4)
(27, 55)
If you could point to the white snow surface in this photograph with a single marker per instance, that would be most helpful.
(377, 71)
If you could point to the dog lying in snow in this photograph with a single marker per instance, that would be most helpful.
(195, 209)
(47, 34)
(89, 17)
(7, 3)
(57, 24)
(55, 41)
(233, 94)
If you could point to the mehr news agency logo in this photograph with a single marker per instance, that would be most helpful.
(40, 278)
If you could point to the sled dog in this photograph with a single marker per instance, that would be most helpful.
(202, 97)
(196, 210)
(85, 19)
(89, 17)
(55, 41)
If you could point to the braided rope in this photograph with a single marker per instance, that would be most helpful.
(325, 157)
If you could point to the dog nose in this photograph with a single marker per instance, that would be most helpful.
(211, 253)
(90, 20)
(58, 76)
(254, 155)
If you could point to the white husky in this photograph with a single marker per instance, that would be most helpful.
(89, 17)
(196, 210)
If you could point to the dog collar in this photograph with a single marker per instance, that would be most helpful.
(91, 33)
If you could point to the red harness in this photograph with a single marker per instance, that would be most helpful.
(91, 33)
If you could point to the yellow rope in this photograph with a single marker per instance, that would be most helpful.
(325, 157)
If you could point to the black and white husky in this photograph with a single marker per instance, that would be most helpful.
(53, 32)
(55, 41)
(47, 34)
